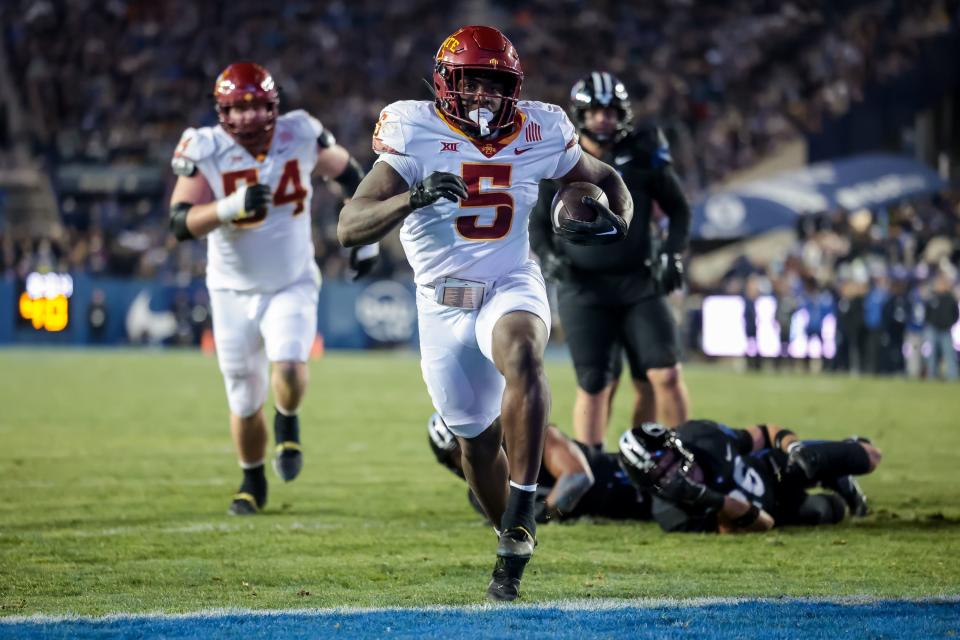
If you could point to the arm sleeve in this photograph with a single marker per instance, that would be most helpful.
(389, 143)
(569, 156)
(666, 190)
(744, 440)
(541, 229)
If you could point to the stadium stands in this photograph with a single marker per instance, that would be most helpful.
(111, 85)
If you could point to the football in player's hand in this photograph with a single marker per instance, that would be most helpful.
(568, 203)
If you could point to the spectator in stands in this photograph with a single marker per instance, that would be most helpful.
(896, 315)
(818, 304)
(941, 313)
(787, 305)
(873, 306)
(751, 293)
(915, 333)
(851, 332)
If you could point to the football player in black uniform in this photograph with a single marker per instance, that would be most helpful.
(706, 476)
(573, 480)
(613, 296)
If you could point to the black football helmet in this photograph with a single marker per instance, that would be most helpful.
(443, 443)
(601, 89)
(647, 452)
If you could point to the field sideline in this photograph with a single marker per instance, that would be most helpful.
(116, 471)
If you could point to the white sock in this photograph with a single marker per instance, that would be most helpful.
(524, 487)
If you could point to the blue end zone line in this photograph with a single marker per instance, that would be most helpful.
(710, 618)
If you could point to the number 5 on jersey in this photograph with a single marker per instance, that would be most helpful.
(289, 189)
(501, 201)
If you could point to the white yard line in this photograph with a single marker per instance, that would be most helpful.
(561, 605)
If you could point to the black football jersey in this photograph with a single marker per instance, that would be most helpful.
(620, 271)
(729, 467)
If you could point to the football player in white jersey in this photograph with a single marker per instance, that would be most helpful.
(246, 185)
(460, 173)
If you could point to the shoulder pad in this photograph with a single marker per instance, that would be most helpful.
(389, 134)
(551, 120)
(302, 124)
(183, 166)
(196, 145)
(651, 147)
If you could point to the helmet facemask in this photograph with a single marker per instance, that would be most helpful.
(651, 453)
(601, 90)
(466, 108)
(251, 132)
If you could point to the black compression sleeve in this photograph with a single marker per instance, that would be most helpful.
(178, 221)
(350, 178)
(541, 229)
(668, 193)
(745, 440)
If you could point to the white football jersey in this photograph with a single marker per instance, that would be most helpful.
(260, 253)
(484, 236)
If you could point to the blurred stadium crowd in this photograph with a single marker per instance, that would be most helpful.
(114, 82)
(889, 278)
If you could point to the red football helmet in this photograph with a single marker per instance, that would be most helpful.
(484, 51)
(247, 83)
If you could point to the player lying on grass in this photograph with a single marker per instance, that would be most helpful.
(706, 476)
(574, 480)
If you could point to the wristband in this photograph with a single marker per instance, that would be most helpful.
(230, 208)
(778, 439)
(368, 251)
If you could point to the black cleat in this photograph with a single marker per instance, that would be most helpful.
(849, 489)
(513, 553)
(244, 504)
(289, 460)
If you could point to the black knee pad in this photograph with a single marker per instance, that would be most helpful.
(821, 508)
(834, 459)
(593, 379)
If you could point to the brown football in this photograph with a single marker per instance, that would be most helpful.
(567, 204)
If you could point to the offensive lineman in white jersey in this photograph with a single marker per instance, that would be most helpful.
(247, 183)
(461, 174)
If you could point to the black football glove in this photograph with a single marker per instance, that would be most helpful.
(555, 267)
(435, 186)
(257, 197)
(680, 489)
(668, 272)
(606, 229)
(363, 259)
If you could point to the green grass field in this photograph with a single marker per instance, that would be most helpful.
(116, 470)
